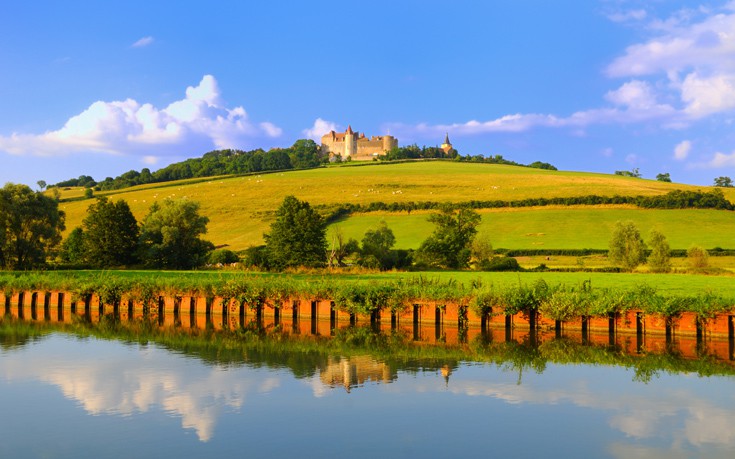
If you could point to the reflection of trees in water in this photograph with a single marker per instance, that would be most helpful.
(15, 336)
(382, 354)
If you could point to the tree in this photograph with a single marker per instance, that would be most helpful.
(305, 153)
(222, 257)
(170, 235)
(41, 184)
(482, 249)
(725, 182)
(627, 248)
(110, 234)
(341, 248)
(698, 257)
(30, 227)
(88, 193)
(72, 249)
(635, 173)
(376, 248)
(659, 261)
(449, 244)
(663, 177)
(297, 237)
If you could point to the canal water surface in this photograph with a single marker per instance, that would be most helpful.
(64, 395)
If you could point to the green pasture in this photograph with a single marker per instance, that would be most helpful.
(577, 227)
(665, 284)
(241, 208)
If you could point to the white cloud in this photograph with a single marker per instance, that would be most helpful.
(681, 151)
(632, 15)
(635, 94)
(721, 160)
(195, 123)
(150, 160)
(319, 128)
(632, 159)
(143, 42)
(607, 152)
(682, 74)
(705, 96)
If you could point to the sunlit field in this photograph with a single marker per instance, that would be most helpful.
(241, 208)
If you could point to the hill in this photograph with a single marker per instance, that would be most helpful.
(240, 208)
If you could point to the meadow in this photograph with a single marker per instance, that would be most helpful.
(241, 208)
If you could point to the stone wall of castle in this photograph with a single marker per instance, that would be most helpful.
(357, 147)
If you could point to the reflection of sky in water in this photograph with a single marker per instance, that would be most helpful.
(600, 407)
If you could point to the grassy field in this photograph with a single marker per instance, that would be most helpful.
(562, 227)
(240, 208)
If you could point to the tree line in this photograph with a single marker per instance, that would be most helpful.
(302, 154)
(677, 199)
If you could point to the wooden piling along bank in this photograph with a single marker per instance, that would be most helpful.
(198, 311)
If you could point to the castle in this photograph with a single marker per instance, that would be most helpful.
(351, 144)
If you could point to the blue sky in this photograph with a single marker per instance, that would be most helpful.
(99, 88)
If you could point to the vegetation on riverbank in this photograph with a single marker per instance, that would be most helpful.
(555, 295)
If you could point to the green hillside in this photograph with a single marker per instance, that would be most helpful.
(241, 208)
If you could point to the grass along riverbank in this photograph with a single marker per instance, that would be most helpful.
(556, 295)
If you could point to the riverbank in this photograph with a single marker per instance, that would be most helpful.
(465, 299)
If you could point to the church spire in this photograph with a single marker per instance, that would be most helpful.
(446, 139)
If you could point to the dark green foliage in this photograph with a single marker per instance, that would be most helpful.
(30, 227)
(725, 182)
(449, 244)
(222, 257)
(305, 153)
(376, 248)
(170, 235)
(635, 173)
(256, 256)
(297, 237)
(416, 152)
(72, 249)
(500, 264)
(302, 154)
(341, 248)
(110, 235)
(664, 177)
(541, 165)
(83, 181)
(677, 199)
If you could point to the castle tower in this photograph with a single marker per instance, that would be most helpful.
(447, 145)
(350, 147)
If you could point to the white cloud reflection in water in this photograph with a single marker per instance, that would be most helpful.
(681, 411)
(125, 380)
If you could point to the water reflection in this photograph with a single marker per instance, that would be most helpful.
(654, 400)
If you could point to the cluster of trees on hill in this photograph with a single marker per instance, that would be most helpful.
(110, 236)
(416, 152)
(302, 154)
